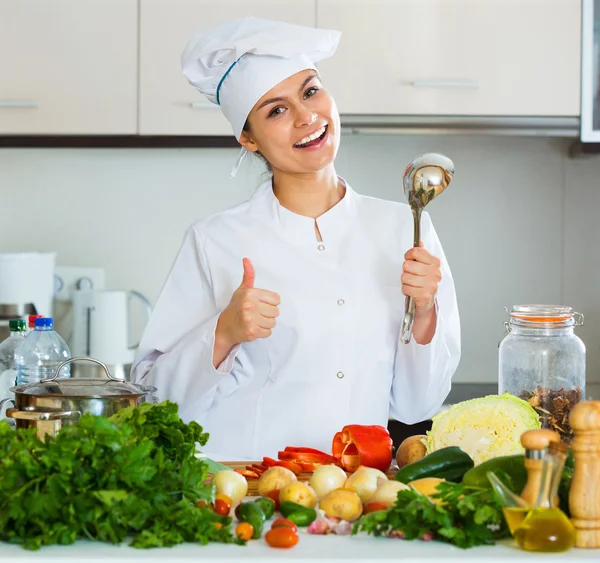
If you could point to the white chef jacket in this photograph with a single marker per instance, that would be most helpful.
(333, 359)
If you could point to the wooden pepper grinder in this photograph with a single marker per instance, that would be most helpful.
(535, 443)
(584, 495)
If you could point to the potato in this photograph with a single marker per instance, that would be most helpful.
(342, 503)
(274, 478)
(300, 493)
(410, 450)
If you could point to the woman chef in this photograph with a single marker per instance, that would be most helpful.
(279, 322)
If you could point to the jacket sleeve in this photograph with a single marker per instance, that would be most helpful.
(176, 350)
(423, 373)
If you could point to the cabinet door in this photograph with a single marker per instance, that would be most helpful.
(169, 105)
(454, 57)
(68, 67)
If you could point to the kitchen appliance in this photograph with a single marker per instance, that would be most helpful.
(102, 323)
(590, 71)
(26, 286)
(425, 177)
(52, 403)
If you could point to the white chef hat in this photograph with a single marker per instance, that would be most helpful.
(235, 63)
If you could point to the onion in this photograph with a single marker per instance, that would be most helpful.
(231, 484)
(327, 478)
(387, 492)
(365, 481)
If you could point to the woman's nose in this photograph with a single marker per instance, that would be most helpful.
(305, 116)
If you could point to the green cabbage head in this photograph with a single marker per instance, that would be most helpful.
(484, 428)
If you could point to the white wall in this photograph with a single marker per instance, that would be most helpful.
(519, 223)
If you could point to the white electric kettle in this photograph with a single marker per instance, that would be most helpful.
(102, 326)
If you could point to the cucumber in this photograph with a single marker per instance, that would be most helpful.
(511, 465)
(448, 463)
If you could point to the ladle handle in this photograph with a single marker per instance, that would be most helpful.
(409, 303)
(408, 320)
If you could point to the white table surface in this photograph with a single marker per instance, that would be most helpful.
(310, 549)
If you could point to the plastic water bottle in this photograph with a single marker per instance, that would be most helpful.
(31, 322)
(8, 366)
(41, 353)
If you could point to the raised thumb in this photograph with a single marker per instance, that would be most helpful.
(248, 279)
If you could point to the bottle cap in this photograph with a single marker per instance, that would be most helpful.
(17, 325)
(44, 321)
(32, 319)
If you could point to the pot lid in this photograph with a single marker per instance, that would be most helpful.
(95, 388)
(85, 388)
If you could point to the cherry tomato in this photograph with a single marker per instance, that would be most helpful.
(217, 525)
(281, 537)
(284, 523)
(373, 506)
(222, 504)
(203, 504)
(221, 507)
(244, 531)
(226, 498)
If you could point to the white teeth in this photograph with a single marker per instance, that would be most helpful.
(312, 137)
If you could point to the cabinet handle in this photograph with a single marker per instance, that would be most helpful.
(445, 84)
(204, 105)
(17, 104)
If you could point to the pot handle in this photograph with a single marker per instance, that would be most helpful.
(5, 402)
(84, 359)
(41, 415)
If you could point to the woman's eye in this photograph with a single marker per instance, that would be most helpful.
(311, 92)
(275, 111)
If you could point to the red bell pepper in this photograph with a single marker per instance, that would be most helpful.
(291, 465)
(269, 461)
(304, 450)
(317, 457)
(247, 473)
(358, 445)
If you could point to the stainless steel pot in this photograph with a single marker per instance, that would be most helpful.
(52, 403)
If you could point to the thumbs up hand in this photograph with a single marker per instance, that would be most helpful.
(251, 313)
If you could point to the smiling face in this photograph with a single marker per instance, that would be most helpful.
(295, 126)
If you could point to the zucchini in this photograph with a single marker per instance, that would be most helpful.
(448, 463)
(511, 465)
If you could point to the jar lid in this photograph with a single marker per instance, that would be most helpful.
(545, 315)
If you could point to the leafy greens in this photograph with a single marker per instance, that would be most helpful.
(133, 475)
(466, 517)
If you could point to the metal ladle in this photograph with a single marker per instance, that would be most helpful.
(425, 177)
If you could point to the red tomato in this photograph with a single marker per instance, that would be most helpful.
(373, 506)
(281, 537)
(284, 523)
(274, 496)
(222, 508)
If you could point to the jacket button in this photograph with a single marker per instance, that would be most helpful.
(340, 302)
(340, 375)
(321, 247)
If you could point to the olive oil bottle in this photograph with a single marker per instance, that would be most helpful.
(546, 527)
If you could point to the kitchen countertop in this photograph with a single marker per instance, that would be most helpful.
(310, 549)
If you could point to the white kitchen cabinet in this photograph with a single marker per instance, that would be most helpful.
(68, 67)
(169, 105)
(454, 57)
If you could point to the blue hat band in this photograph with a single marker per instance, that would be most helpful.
(218, 93)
